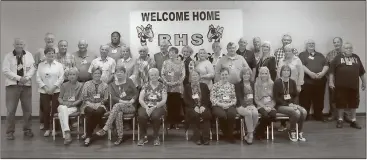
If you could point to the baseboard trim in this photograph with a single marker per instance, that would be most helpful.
(37, 117)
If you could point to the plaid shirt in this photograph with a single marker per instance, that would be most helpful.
(279, 54)
(331, 55)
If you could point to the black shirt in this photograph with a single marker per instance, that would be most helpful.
(315, 63)
(249, 57)
(20, 68)
(347, 70)
(270, 63)
(280, 89)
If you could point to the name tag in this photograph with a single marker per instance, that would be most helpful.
(97, 96)
(287, 97)
(71, 99)
(171, 73)
(114, 51)
(153, 97)
(123, 94)
(267, 99)
(310, 57)
(349, 63)
(47, 76)
(84, 61)
(145, 63)
(250, 96)
(19, 67)
(195, 96)
(231, 66)
(225, 97)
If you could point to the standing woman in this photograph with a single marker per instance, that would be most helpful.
(205, 68)
(267, 60)
(265, 101)
(142, 66)
(50, 76)
(95, 99)
(285, 93)
(197, 102)
(223, 98)
(173, 74)
(345, 71)
(245, 103)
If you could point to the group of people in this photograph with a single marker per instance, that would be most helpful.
(254, 84)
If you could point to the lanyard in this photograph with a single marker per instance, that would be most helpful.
(286, 90)
(96, 88)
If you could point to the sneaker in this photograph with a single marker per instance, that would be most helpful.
(339, 124)
(42, 126)
(75, 125)
(28, 133)
(157, 142)
(282, 128)
(300, 137)
(10, 136)
(292, 136)
(354, 124)
(101, 132)
(47, 133)
(142, 141)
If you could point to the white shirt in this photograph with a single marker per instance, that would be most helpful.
(50, 75)
(10, 67)
(108, 67)
(297, 72)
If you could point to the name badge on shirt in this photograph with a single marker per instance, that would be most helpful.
(225, 97)
(250, 96)
(287, 97)
(267, 99)
(71, 99)
(20, 67)
(349, 63)
(123, 94)
(231, 66)
(311, 57)
(195, 96)
(153, 97)
(171, 73)
(47, 76)
(114, 51)
(97, 96)
(84, 61)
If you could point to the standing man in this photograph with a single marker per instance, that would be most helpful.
(64, 57)
(257, 49)
(160, 57)
(115, 47)
(248, 55)
(279, 53)
(83, 60)
(39, 57)
(18, 68)
(313, 88)
(106, 63)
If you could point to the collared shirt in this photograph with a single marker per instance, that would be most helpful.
(70, 93)
(214, 60)
(173, 72)
(50, 74)
(223, 93)
(235, 64)
(108, 67)
(94, 93)
(315, 63)
(279, 54)
(159, 58)
(331, 55)
(83, 63)
(115, 52)
(141, 70)
(205, 68)
(10, 68)
(39, 56)
(297, 72)
(129, 65)
(67, 60)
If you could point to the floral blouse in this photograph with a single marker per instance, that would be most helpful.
(223, 93)
(141, 70)
(67, 61)
(173, 72)
(153, 96)
(248, 94)
(94, 93)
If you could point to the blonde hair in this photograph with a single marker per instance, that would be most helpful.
(259, 82)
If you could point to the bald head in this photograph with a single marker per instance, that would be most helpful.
(18, 45)
(82, 45)
(104, 51)
(49, 39)
(310, 45)
(164, 46)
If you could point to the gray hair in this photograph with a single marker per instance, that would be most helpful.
(286, 35)
(68, 71)
(153, 70)
(231, 44)
(143, 48)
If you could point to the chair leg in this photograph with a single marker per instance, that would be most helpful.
(85, 126)
(53, 128)
(78, 128)
(210, 134)
(138, 132)
(216, 128)
(272, 130)
(163, 128)
(241, 128)
(267, 132)
(187, 134)
(133, 128)
(297, 130)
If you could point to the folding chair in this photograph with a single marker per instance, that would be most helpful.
(164, 129)
(241, 129)
(279, 116)
(75, 115)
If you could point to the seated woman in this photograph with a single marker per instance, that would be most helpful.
(246, 107)
(69, 100)
(223, 98)
(123, 94)
(95, 99)
(264, 101)
(285, 93)
(197, 102)
(152, 99)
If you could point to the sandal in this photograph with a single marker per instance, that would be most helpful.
(101, 132)
(87, 142)
(119, 141)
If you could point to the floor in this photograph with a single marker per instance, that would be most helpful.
(324, 140)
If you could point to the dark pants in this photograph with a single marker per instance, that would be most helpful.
(41, 112)
(155, 117)
(15, 93)
(174, 108)
(93, 118)
(265, 120)
(332, 103)
(226, 119)
(312, 94)
(193, 118)
(49, 104)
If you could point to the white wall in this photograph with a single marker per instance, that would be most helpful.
(95, 21)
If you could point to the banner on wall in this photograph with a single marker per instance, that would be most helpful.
(196, 28)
